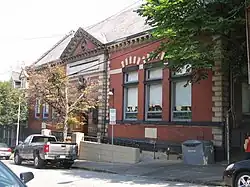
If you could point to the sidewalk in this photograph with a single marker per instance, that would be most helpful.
(162, 170)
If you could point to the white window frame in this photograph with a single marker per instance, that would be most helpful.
(153, 81)
(128, 85)
(45, 111)
(173, 96)
(38, 108)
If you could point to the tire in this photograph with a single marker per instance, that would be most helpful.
(38, 162)
(17, 159)
(67, 165)
(7, 158)
(241, 177)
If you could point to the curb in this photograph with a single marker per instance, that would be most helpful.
(212, 183)
(95, 170)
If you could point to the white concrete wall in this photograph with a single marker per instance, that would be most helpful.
(108, 153)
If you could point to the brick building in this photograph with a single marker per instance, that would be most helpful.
(85, 57)
(146, 94)
(42, 113)
(149, 97)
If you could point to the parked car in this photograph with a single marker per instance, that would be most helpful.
(9, 178)
(237, 174)
(43, 150)
(5, 151)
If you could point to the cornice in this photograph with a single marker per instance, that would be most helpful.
(86, 54)
(129, 42)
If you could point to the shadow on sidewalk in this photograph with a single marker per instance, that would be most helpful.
(162, 171)
(116, 179)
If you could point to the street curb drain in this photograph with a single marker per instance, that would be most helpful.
(215, 183)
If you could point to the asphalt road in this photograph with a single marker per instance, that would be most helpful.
(79, 178)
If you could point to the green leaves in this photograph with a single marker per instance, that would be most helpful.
(194, 27)
(9, 101)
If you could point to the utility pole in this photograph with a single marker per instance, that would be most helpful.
(18, 121)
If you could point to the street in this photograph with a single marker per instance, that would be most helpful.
(78, 178)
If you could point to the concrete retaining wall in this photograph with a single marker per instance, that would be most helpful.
(94, 151)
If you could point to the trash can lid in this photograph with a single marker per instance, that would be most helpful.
(192, 142)
(196, 142)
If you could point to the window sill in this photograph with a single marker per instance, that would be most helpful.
(157, 119)
(131, 83)
(181, 120)
(152, 81)
(170, 123)
(130, 120)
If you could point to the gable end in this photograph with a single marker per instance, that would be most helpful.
(79, 36)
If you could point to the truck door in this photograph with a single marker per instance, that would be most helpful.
(24, 147)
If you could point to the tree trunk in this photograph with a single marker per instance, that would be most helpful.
(65, 125)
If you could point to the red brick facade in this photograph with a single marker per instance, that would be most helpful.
(201, 125)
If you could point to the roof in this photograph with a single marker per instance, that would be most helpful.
(55, 52)
(121, 25)
(15, 76)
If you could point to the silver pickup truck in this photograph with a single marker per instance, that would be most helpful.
(45, 150)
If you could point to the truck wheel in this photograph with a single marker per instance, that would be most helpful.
(17, 159)
(7, 158)
(38, 162)
(67, 165)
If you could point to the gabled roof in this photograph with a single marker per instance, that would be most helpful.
(121, 25)
(78, 36)
(55, 52)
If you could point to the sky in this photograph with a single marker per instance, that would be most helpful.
(31, 27)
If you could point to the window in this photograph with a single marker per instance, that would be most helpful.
(41, 139)
(131, 77)
(8, 178)
(45, 110)
(24, 83)
(38, 108)
(245, 98)
(181, 101)
(54, 113)
(130, 95)
(27, 140)
(17, 84)
(153, 94)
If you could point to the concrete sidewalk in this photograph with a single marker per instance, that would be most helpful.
(162, 170)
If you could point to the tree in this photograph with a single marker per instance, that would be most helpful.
(68, 98)
(9, 103)
(198, 33)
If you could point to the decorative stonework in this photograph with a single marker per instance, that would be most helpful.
(108, 97)
(137, 60)
(133, 41)
(220, 101)
(78, 37)
(220, 94)
(217, 133)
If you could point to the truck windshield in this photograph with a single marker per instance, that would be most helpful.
(44, 139)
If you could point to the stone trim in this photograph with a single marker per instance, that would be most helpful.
(217, 133)
(133, 41)
(75, 41)
(220, 94)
